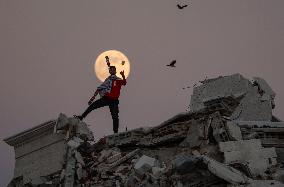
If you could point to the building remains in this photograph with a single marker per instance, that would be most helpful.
(229, 138)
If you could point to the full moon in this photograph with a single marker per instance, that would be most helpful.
(117, 59)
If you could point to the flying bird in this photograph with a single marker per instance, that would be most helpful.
(123, 62)
(181, 7)
(172, 64)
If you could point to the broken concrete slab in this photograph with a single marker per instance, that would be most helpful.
(251, 105)
(233, 130)
(193, 138)
(252, 108)
(225, 172)
(259, 124)
(250, 152)
(240, 145)
(248, 155)
(233, 85)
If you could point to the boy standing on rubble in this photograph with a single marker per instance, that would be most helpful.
(109, 91)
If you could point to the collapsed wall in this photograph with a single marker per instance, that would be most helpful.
(256, 99)
(229, 138)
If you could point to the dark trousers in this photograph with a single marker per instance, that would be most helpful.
(113, 107)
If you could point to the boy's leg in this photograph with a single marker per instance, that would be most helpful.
(113, 107)
(97, 104)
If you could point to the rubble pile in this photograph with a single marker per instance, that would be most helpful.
(229, 138)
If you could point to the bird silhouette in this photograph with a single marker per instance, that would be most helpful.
(123, 62)
(181, 7)
(172, 64)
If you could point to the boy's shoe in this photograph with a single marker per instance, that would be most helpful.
(79, 117)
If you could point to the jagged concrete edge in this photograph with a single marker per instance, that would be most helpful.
(10, 140)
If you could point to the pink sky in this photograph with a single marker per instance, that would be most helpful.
(48, 48)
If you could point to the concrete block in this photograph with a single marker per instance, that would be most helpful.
(233, 130)
(250, 154)
(252, 144)
(144, 164)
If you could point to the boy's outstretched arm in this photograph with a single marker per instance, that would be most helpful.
(123, 76)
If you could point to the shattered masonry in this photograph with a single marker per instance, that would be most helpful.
(229, 138)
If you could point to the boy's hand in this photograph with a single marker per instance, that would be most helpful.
(107, 60)
(122, 73)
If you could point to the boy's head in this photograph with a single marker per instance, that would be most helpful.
(112, 70)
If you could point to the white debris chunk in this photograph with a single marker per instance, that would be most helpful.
(225, 172)
(144, 163)
(233, 131)
(74, 142)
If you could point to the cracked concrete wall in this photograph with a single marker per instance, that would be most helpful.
(41, 156)
(42, 162)
(252, 107)
(235, 85)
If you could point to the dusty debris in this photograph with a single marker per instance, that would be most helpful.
(228, 138)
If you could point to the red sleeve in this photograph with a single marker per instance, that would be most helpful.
(122, 82)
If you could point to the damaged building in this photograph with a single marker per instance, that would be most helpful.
(228, 138)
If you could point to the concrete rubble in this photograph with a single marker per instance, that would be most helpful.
(229, 138)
